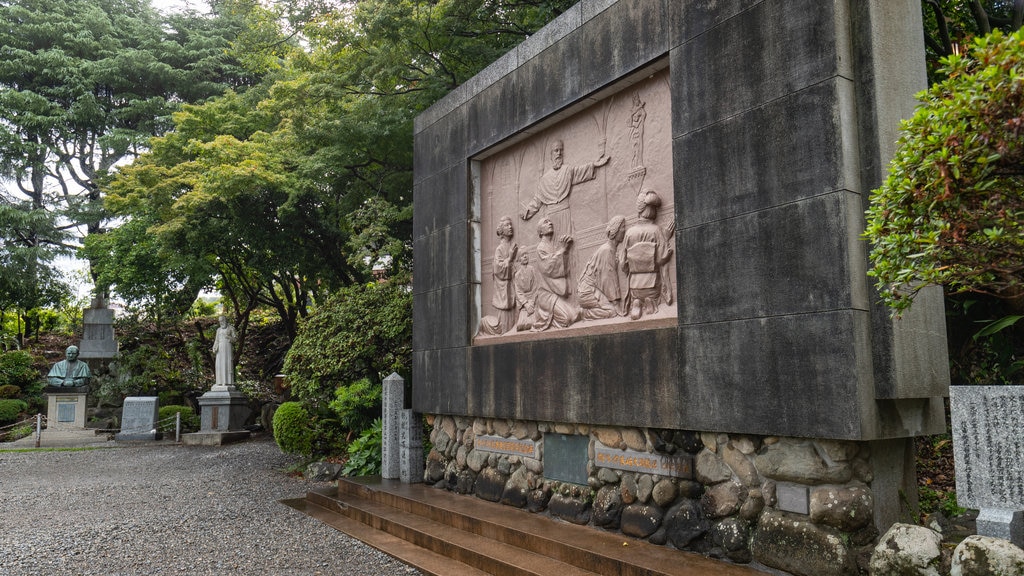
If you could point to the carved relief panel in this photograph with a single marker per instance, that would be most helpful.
(577, 221)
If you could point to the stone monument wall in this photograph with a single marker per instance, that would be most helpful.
(761, 126)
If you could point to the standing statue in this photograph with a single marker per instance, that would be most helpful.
(553, 307)
(70, 372)
(504, 299)
(598, 290)
(225, 362)
(646, 259)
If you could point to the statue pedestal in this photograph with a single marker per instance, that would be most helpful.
(222, 412)
(65, 407)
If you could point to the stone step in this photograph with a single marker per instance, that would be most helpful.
(469, 549)
(468, 528)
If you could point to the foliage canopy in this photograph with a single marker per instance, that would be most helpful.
(951, 211)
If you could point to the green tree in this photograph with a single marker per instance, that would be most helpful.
(950, 25)
(951, 211)
(83, 85)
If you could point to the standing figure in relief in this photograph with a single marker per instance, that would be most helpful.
(553, 307)
(526, 282)
(646, 259)
(598, 290)
(504, 299)
(225, 361)
(637, 117)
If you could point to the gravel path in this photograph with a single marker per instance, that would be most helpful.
(168, 509)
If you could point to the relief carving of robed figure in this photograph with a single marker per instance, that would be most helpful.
(504, 299)
(553, 307)
(647, 259)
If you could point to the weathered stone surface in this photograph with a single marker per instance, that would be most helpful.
(795, 460)
(745, 444)
(664, 493)
(847, 508)
(569, 508)
(987, 556)
(534, 465)
(710, 469)
(537, 499)
(501, 427)
(610, 437)
(723, 499)
(435, 467)
(480, 426)
(839, 450)
(462, 481)
(516, 489)
(489, 485)
(709, 440)
(476, 460)
(752, 507)
(448, 426)
(641, 520)
(608, 476)
(460, 456)
(322, 471)
(441, 440)
(634, 439)
(800, 547)
(628, 489)
(907, 549)
(686, 524)
(645, 485)
(732, 536)
(740, 465)
(690, 489)
(608, 507)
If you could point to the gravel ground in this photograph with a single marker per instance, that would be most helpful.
(168, 509)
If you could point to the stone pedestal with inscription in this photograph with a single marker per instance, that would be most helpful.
(223, 413)
(98, 341)
(139, 419)
(989, 456)
(65, 407)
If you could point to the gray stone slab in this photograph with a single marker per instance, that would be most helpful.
(988, 446)
(786, 47)
(411, 460)
(214, 438)
(761, 264)
(1005, 524)
(795, 498)
(627, 36)
(690, 19)
(440, 380)
(223, 411)
(139, 414)
(565, 457)
(791, 142)
(445, 258)
(443, 144)
(392, 401)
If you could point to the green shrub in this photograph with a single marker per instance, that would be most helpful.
(9, 391)
(10, 409)
(16, 370)
(189, 419)
(357, 404)
(364, 453)
(292, 429)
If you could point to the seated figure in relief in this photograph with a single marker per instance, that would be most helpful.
(598, 290)
(70, 372)
(526, 282)
(504, 299)
(646, 259)
(553, 307)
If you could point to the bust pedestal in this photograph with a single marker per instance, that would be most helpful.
(65, 407)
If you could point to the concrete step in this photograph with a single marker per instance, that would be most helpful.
(499, 539)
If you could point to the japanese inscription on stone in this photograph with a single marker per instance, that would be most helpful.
(676, 466)
(511, 446)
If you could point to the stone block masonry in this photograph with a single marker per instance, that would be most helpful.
(728, 496)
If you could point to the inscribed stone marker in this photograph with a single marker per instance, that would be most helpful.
(565, 457)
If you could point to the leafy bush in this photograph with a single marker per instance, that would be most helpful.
(16, 370)
(359, 332)
(10, 409)
(9, 391)
(357, 404)
(190, 421)
(365, 452)
(951, 211)
(292, 429)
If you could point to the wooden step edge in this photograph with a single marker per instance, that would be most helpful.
(590, 548)
(478, 551)
(427, 562)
